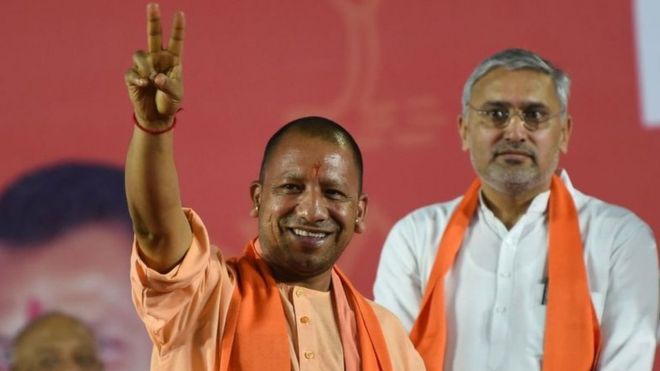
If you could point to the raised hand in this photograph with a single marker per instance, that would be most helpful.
(154, 82)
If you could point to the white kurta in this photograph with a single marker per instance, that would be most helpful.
(495, 309)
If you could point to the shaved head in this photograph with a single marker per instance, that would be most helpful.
(314, 127)
(53, 341)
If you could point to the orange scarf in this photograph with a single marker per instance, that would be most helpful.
(255, 337)
(572, 335)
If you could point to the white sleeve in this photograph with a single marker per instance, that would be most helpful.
(630, 315)
(398, 286)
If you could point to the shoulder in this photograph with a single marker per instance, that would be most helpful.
(403, 354)
(416, 235)
(390, 324)
(428, 217)
(607, 219)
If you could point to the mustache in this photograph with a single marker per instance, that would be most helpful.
(508, 147)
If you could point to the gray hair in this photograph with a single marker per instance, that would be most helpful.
(518, 59)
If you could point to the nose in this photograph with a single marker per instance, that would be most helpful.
(515, 130)
(312, 206)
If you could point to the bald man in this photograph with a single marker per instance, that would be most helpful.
(55, 341)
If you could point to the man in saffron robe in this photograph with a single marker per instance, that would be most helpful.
(523, 272)
(282, 305)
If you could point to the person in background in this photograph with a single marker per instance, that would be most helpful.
(64, 231)
(523, 272)
(55, 341)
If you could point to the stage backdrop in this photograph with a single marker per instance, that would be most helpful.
(389, 71)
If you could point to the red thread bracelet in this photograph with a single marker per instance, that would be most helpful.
(152, 131)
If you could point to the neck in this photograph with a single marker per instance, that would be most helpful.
(508, 207)
(318, 282)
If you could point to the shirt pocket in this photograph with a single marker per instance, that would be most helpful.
(536, 321)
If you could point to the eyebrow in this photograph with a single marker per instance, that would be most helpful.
(535, 105)
(496, 103)
(341, 183)
(526, 104)
(332, 182)
(289, 175)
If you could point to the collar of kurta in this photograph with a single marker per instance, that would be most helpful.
(572, 334)
(255, 336)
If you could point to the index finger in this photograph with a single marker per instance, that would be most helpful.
(154, 31)
(175, 45)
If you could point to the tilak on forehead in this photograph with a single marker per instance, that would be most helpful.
(316, 168)
(315, 127)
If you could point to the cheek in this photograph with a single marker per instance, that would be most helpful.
(481, 144)
(480, 153)
(549, 147)
(345, 214)
(282, 204)
(272, 210)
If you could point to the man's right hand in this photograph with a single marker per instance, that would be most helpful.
(154, 82)
(152, 185)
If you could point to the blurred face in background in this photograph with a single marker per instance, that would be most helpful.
(56, 342)
(84, 273)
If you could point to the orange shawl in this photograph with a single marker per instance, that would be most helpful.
(255, 337)
(572, 334)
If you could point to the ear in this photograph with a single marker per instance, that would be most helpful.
(566, 130)
(463, 131)
(360, 219)
(255, 195)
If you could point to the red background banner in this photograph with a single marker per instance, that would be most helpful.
(389, 71)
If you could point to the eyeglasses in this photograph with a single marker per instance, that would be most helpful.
(534, 116)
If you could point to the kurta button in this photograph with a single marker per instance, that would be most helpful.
(309, 355)
(300, 292)
(304, 320)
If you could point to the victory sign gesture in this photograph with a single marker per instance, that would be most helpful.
(154, 82)
(152, 187)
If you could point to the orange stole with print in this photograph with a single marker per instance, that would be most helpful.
(572, 333)
(255, 337)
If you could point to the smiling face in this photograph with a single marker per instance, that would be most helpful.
(309, 206)
(513, 159)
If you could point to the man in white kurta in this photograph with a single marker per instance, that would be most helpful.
(514, 125)
(496, 285)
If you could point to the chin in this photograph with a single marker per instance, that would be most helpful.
(309, 267)
(511, 180)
